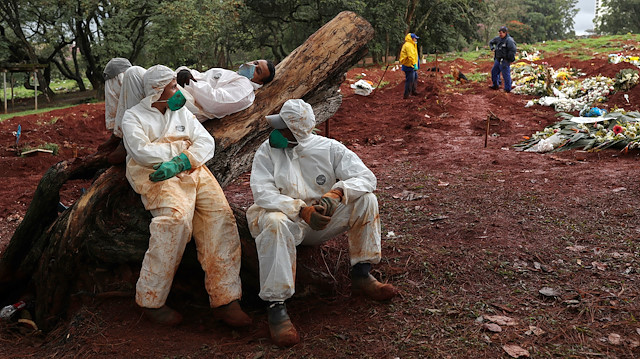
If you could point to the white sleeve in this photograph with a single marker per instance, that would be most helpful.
(228, 98)
(263, 186)
(202, 143)
(355, 178)
(141, 148)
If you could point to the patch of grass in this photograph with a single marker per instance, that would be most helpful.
(31, 112)
(57, 86)
(477, 76)
(383, 84)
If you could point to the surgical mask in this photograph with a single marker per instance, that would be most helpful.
(176, 101)
(247, 70)
(277, 140)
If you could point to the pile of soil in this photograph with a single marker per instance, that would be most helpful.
(473, 231)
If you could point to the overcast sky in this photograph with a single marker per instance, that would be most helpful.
(584, 19)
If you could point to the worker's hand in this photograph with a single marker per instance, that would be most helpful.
(314, 217)
(415, 67)
(166, 170)
(331, 200)
(183, 77)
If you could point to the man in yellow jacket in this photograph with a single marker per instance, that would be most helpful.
(409, 61)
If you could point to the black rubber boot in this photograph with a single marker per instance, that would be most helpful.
(282, 331)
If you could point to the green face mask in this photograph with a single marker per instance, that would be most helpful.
(176, 101)
(277, 140)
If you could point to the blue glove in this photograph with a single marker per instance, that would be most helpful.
(415, 67)
(166, 170)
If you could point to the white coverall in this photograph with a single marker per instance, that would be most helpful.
(131, 93)
(220, 92)
(285, 180)
(113, 75)
(191, 203)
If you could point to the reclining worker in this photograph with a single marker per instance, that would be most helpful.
(113, 76)
(166, 153)
(308, 189)
(220, 92)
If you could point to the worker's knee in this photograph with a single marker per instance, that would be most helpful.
(274, 220)
(367, 200)
(171, 215)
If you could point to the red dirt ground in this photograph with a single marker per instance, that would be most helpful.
(486, 229)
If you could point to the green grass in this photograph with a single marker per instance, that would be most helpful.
(31, 112)
(57, 86)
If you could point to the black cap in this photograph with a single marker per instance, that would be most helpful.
(503, 29)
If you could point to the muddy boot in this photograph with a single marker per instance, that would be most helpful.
(414, 89)
(163, 315)
(282, 331)
(232, 314)
(363, 283)
(118, 156)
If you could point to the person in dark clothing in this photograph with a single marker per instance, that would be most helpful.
(504, 48)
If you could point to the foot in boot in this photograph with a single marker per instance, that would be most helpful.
(232, 314)
(370, 287)
(493, 87)
(163, 315)
(282, 331)
(406, 96)
(415, 93)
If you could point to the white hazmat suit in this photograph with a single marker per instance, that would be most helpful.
(220, 92)
(285, 180)
(190, 203)
(113, 75)
(131, 93)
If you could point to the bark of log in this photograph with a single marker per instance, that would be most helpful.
(108, 224)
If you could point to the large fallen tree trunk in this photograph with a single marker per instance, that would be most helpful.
(108, 224)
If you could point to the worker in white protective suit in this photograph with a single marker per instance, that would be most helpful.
(167, 149)
(219, 92)
(113, 76)
(308, 189)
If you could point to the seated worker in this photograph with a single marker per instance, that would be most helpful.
(167, 149)
(220, 92)
(113, 75)
(308, 189)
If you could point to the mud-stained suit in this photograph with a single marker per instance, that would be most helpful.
(285, 180)
(191, 203)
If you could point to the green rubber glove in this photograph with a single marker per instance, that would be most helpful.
(415, 67)
(166, 170)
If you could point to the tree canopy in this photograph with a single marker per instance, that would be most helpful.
(619, 17)
(76, 38)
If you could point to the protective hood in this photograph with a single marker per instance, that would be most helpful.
(131, 93)
(408, 38)
(298, 116)
(155, 80)
(115, 67)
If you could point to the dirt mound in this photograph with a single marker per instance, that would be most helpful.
(469, 232)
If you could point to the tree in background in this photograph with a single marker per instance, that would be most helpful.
(445, 25)
(521, 33)
(498, 13)
(619, 17)
(194, 33)
(550, 20)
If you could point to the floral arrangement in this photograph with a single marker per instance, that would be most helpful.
(626, 79)
(616, 129)
(618, 58)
